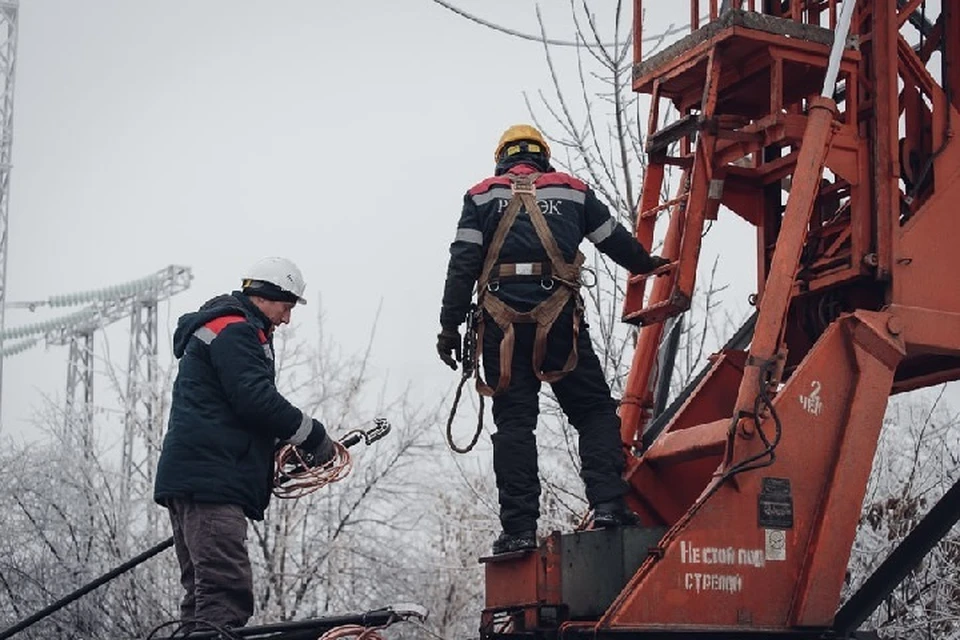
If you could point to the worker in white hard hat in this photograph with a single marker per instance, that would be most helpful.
(226, 420)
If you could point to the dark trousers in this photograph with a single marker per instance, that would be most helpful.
(210, 541)
(584, 397)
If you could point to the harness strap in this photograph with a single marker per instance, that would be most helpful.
(569, 272)
(506, 347)
(545, 314)
(506, 222)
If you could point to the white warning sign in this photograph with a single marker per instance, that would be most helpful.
(775, 547)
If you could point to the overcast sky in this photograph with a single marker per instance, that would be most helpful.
(339, 134)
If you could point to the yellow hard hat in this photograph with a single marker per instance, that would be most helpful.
(517, 133)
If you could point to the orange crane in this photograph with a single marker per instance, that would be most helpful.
(821, 125)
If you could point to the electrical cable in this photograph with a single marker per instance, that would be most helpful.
(769, 452)
(85, 589)
(295, 477)
(357, 631)
(670, 31)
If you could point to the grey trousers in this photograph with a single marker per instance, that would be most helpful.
(210, 541)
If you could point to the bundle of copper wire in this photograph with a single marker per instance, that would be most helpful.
(356, 631)
(295, 477)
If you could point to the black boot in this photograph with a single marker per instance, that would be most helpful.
(607, 515)
(509, 542)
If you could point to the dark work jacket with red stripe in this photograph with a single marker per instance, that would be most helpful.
(573, 213)
(226, 415)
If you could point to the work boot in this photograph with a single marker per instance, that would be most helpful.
(509, 542)
(608, 515)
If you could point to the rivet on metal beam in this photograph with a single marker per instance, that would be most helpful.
(894, 325)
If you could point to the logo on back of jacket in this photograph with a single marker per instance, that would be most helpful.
(547, 207)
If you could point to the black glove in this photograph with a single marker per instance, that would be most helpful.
(321, 454)
(659, 261)
(448, 343)
(318, 449)
(643, 262)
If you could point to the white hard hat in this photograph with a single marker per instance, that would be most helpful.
(279, 272)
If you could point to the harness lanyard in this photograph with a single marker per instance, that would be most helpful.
(469, 363)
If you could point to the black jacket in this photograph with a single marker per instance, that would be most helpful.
(573, 213)
(226, 416)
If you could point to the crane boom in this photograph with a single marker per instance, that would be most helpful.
(840, 153)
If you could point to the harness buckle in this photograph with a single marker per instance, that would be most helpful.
(493, 286)
(524, 187)
(547, 283)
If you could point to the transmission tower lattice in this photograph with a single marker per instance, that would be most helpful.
(143, 409)
(80, 376)
(9, 10)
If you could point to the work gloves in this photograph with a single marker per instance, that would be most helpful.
(448, 344)
(639, 261)
(657, 262)
(318, 449)
(648, 263)
(321, 454)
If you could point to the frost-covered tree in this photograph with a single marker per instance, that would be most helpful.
(917, 461)
(363, 543)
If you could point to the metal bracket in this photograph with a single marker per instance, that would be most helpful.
(381, 427)
(410, 611)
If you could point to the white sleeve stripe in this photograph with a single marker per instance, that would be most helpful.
(499, 191)
(303, 431)
(205, 334)
(473, 236)
(561, 193)
(602, 232)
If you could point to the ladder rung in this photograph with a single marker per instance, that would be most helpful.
(684, 162)
(650, 213)
(640, 277)
(656, 312)
(739, 136)
(661, 140)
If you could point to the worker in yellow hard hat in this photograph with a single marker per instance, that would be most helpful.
(522, 134)
(518, 241)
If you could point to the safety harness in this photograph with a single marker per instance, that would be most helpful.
(560, 276)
